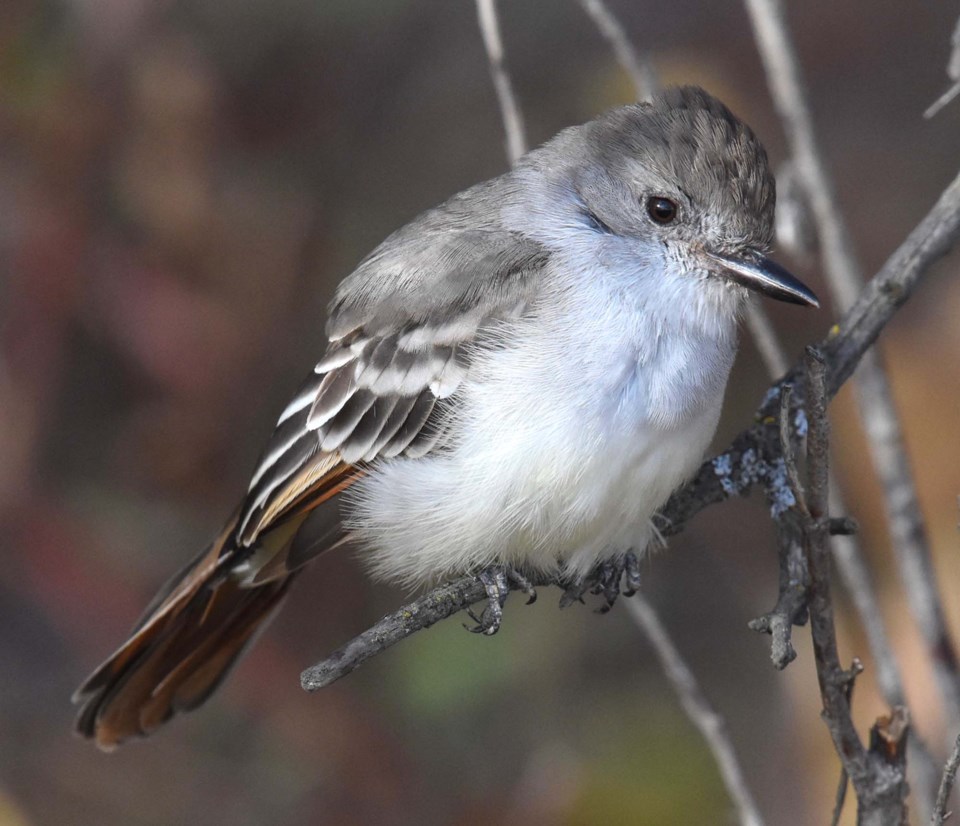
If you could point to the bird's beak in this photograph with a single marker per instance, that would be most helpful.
(765, 276)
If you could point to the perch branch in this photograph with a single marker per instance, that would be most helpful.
(734, 471)
(438, 604)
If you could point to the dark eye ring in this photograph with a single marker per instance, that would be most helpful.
(661, 210)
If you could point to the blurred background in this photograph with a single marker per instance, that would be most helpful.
(182, 183)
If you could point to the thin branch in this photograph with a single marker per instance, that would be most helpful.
(953, 72)
(733, 472)
(637, 66)
(794, 582)
(791, 607)
(878, 774)
(794, 229)
(856, 579)
(852, 565)
(940, 813)
(929, 241)
(709, 723)
(942, 101)
(765, 337)
(856, 668)
(877, 409)
(786, 86)
(907, 531)
(509, 109)
(854, 574)
(836, 710)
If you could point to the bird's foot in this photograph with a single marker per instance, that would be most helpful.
(620, 575)
(497, 582)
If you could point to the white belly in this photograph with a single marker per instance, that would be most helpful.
(564, 449)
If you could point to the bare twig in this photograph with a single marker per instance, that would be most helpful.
(794, 229)
(942, 101)
(791, 607)
(733, 472)
(789, 97)
(856, 668)
(930, 240)
(637, 66)
(836, 711)
(709, 723)
(907, 531)
(509, 110)
(876, 405)
(765, 337)
(856, 578)
(953, 72)
(854, 574)
(940, 813)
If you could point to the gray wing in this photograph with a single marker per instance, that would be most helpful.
(400, 330)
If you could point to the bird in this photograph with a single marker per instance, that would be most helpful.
(514, 383)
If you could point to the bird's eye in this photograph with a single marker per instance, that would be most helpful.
(661, 210)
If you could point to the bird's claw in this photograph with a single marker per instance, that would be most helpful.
(497, 582)
(610, 578)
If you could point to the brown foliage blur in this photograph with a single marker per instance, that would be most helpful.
(181, 185)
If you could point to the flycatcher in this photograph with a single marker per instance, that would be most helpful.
(515, 382)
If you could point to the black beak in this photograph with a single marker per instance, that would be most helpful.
(765, 276)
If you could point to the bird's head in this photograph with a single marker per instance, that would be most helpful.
(678, 179)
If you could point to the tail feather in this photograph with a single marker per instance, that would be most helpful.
(192, 634)
(198, 674)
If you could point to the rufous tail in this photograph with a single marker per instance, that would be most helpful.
(191, 634)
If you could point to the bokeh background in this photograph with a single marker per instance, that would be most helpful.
(182, 183)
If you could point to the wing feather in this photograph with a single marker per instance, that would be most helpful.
(416, 419)
(400, 332)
